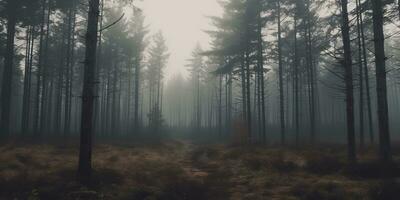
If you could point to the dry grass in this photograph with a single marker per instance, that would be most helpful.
(180, 170)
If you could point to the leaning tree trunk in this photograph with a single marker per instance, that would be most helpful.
(381, 88)
(8, 65)
(85, 153)
(349, 83)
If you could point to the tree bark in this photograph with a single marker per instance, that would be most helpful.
(85, 153)
(296, 84)
(360, 69)
(281, 97)
(366, 74)
(381, 87)
(6, 91)
(26, 107)
(39, 76)
(349, 83)
(137, 93)
(44, 93)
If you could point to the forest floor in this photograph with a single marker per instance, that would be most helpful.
(174, 170)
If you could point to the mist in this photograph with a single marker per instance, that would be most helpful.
(189, 99)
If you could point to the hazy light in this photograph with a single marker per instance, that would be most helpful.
(183, 23)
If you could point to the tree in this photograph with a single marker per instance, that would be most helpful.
(88, 94)
(381, 87)
(347, 62)
(281, 97)
(11, 8)
(139, 34)
(196, 69)
(158, 57)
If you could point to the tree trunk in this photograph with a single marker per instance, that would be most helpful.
(296, 84)
(262, 84)
(137, 93)
(312, 77)
(220, 107)
(60, 83)
(381, 88)
(248, 75)
(39, 76)
(45, 77)
(281, 97)
(8, 68)
(68, 66)
(85, 153)
(243, 87)
(360, 69)
(26, 107)
(349, 83)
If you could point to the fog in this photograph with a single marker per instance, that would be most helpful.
(183, 23)
(199, 99)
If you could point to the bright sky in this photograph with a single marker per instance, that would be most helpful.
(183, 23)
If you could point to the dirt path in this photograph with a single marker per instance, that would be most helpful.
(189, 164)
(201, 164)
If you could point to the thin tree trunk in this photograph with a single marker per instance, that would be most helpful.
(248, 97)
(220, 107)
(60, 84)
(366, 74)
(243, 87)
(360, 69)
(261, 71)
(137, 93)
(296, 84)
(311, 76)
(68, 66)
(27, 84)
(281, 97)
